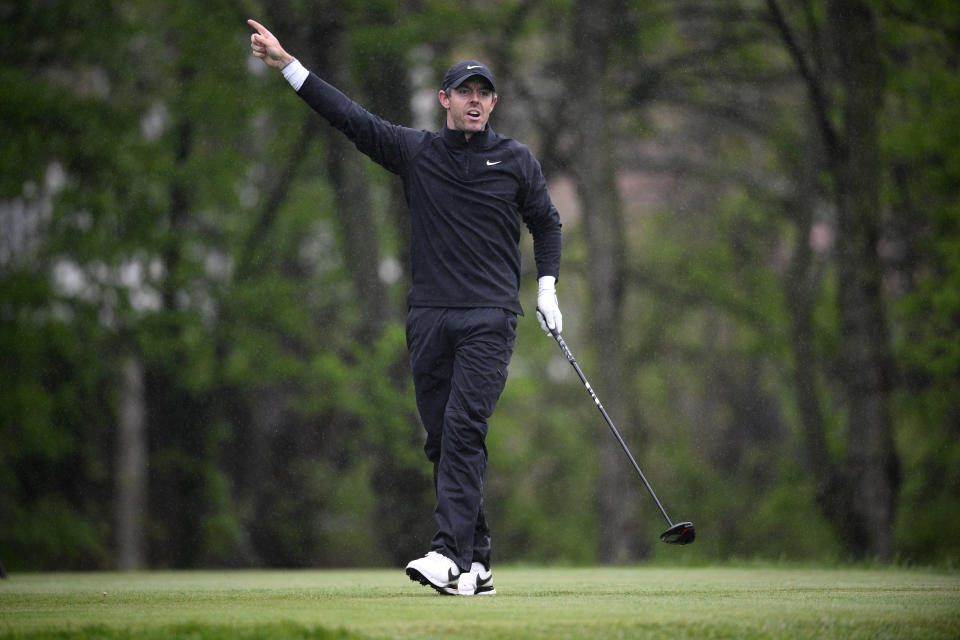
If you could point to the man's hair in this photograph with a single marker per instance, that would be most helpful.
(449, 90)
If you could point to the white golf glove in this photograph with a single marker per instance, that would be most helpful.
(548, 309)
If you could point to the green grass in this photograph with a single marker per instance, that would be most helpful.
(635, 602)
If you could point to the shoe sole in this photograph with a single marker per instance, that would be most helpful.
(416, 576)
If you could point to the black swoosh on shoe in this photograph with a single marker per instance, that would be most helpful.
(448, 589)
(485, 587)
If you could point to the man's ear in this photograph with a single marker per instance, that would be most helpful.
(444, 99)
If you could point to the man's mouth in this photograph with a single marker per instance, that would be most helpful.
(473, 113)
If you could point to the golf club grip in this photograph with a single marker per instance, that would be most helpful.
(603, 412)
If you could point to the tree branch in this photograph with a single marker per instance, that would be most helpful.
(814, 88)
(275, 197)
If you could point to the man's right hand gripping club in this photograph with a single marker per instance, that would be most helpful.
(548, 309)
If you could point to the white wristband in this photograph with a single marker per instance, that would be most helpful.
(295, 73)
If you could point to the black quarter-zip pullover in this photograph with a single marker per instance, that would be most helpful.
(467, 199)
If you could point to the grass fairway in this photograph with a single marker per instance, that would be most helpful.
(636, 602)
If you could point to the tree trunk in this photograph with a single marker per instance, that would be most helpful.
(131, 467)
(595, 171)
(859, 495)
(872, 462)
(345, 166)
(801, 288)
(403, 495)
(361, 244)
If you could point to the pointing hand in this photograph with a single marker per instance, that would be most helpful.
(266, 46)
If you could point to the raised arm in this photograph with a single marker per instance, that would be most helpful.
(266, 46)
(382, 141)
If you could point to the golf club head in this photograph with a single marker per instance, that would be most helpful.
(680, 533)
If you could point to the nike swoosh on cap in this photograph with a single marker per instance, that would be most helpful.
(490, 163)
(476, 66)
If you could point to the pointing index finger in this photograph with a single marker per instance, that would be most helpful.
(259, 27)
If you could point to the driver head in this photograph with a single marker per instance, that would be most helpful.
(681, 533)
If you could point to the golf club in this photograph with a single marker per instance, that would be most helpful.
(680, 533)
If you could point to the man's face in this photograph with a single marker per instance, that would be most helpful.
(469, 105)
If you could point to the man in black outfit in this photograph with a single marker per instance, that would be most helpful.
(468, 190)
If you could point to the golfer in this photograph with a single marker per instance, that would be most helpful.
(468, 189)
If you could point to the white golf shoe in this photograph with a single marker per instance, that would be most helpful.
(435, 570)
(476, 582)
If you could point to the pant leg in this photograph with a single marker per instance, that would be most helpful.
(481, 343)
(484, 344)
(431, 363)
(481, 539)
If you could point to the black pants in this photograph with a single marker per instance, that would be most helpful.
(459, 360)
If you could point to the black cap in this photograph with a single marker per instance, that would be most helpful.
(459, 72)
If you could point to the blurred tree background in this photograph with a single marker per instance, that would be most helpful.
(202, 284)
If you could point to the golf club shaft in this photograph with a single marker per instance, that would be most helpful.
(603, 412)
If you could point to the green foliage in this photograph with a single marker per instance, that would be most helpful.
(160, 199)
(920, 146)
(541, 487)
